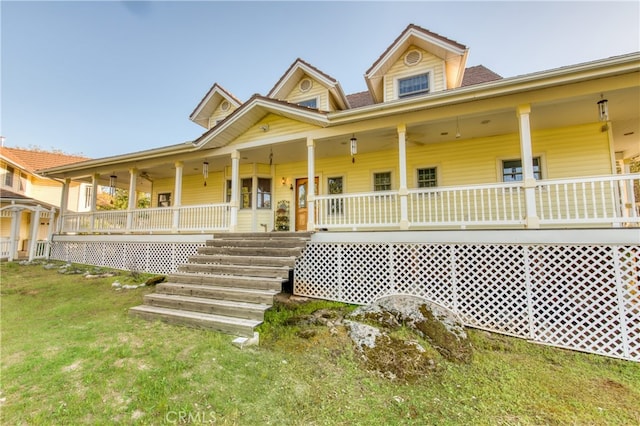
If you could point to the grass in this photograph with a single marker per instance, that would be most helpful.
(72, 355)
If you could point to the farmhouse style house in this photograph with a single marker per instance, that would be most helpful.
(486, 194)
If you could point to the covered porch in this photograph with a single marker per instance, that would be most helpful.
(491, 156)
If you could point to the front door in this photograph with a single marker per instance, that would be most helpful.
(302, 213)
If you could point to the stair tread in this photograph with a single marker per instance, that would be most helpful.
(226, 289)
(196, 315)
(244, 277)
(227, 303)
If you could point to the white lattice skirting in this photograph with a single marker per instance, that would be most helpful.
(151, 256)
(583, 297)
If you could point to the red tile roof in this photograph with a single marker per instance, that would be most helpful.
(34, 159)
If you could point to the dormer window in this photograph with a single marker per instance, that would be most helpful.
(309, 103)
(414, 85)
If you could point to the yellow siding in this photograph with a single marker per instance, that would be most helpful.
(317, 91)
(463, 162)
(429, 62)
(219, 114)
(479, 160)
(278, 126)
(47, 191)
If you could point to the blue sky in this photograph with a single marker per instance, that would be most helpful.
(108, 78)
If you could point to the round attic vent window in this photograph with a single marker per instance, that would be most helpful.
(413, 57)
(305, 85)
(224, 106)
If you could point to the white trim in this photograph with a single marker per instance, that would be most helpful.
(502, 236)
(147, 238)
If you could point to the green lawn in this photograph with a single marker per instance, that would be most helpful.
(72, 355)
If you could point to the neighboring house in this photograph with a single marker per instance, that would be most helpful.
(29, 201)
(508, 200)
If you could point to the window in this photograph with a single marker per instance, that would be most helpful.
(414, 85)
(264, 193)
(23, 182)
(335, 187)
(164, 199)
(382, 181)
(8, 177)
(228, 191)
(88, 190)
(512, 170)
(246, 187)
(427, 178)
(309, 103)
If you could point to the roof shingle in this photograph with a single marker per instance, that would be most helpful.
(33, 160)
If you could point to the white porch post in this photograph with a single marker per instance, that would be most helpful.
(133, 175)
(526, 155)
(311, 192)
(235, 183)
(94, 199)
(52, 215)
(64, 203)
(403, 191)
(177, 196)
(15, 232)
(33, 233)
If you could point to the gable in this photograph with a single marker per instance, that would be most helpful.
(307, 88)
(214, 107)
(414, 61)
(303, 81)
(452, 54)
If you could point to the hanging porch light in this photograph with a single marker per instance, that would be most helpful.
(354, 148)
(205, 172)
(113, 180)
(603, 109)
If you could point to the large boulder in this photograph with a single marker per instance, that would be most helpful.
(372, 329)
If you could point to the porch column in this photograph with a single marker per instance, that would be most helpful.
(64, 203)
(94, 199)
(15, 232)
(177, 196)
(133, 175)
(528, 181)
(52, 215)
(311, 193)
(33, 233)
(235, 183)
(403, 191)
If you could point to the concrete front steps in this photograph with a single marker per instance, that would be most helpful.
(229, 284)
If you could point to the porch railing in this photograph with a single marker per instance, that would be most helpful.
(604, 200)
(373, 209)
(200, 218)
(472, 205)
(608, 199)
